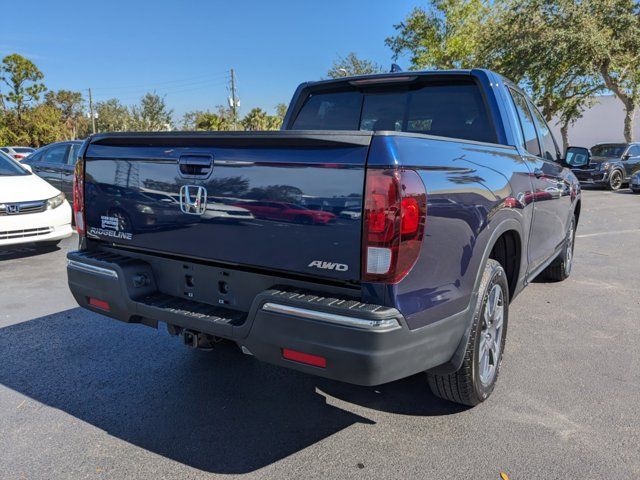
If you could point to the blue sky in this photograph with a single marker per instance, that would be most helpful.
(184, 50)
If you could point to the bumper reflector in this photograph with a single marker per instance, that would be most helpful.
(101, 304)
(306, 358)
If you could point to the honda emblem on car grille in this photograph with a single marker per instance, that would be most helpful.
(13, 209)
(193, 199)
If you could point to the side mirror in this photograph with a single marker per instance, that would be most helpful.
(577, 157)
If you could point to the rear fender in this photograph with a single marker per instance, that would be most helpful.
(458, 357)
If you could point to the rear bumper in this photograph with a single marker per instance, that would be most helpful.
(360, 344)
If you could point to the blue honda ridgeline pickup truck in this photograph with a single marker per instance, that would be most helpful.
(383, 232)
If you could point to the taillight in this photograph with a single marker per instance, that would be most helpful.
(19, 156)
(395, 212)
(78, 198)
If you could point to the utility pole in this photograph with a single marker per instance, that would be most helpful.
(93, 118)
(234, 101)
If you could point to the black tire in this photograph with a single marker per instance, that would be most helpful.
(465, 386)
(616, 179)
(560, 268)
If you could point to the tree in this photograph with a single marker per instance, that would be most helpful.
(258, 119)
(23, 80)
(281, 112)
(41, 125)
(71, 106)
(112, 116)
(352, 65)
(541, 45)
(616, 43)
(151, 114)
(445, 35)
(220, 120)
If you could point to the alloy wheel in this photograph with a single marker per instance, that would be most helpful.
(490, 345)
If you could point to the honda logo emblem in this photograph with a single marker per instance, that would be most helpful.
(193, 199)
(13, 209)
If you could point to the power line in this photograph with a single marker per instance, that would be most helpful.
(170, 83)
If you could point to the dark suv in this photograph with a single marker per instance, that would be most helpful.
(611, 165)
(54, 163)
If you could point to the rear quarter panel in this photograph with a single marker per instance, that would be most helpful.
(471, 191)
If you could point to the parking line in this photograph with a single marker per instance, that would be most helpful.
(614, 232)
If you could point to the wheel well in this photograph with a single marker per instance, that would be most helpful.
(507, 251)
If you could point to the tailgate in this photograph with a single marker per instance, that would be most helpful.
(285, 201)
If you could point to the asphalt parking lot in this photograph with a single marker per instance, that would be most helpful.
(82, 396)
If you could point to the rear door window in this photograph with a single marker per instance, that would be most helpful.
(56, 154)
(549, 150)
(455, 109)
(531, 144)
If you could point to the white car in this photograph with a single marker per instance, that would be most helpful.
(31, 210)
(222, 212)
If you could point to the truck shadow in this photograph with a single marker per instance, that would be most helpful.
(218, 411)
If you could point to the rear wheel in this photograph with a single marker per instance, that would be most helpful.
(615, 181)
(476, 378)
(560, 268)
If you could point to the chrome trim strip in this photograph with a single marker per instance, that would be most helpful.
(86, 268)
(363, 323)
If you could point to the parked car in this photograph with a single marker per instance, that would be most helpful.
(609, 165)
(55, 163)
(18, 153)
(31, 210)
(287, 212)
(634, 184)
(410, 286)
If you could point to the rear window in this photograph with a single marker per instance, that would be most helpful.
(448, 110)
(23, 149)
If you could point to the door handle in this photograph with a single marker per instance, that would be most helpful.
(195, 165)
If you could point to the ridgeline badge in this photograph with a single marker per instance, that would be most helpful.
(111, 227)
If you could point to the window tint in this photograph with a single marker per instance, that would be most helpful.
(549, 151)
(451, 110)
(35, 157)
(607, 150)
(526, 123)
(330, 111)
(55, 154)
(73, 154)
(383, 111)
(634, 151)
(5, 149)
(9, 167)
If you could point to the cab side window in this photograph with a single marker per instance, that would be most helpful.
(531, 144)
(549, 150)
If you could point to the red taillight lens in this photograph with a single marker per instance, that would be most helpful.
(395, 211)
(19, 156)
(78, 198)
